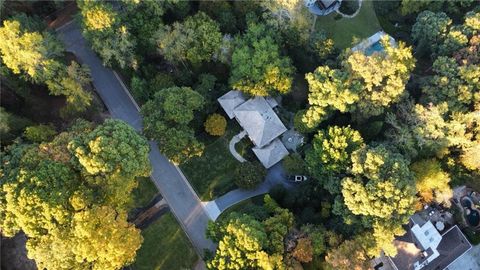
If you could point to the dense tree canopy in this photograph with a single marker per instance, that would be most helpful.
(248, 243)
(64, 208)
(364, 86)
(331, 153)
(432, 181)
(258, 68)
(382, 186)
(107, 33)
(167, 118)
(289, 16)
(35, 55)
(350, 255)
(195, 40)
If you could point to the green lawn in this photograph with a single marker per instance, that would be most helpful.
(144, 193)
(211, 175)
(165, 247)
(346, 31)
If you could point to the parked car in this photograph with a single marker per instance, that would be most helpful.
(297, 178)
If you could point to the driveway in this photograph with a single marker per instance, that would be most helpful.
(173, 186)
(275, 175)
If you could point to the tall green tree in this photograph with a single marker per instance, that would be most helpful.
(452, 83)
(289, 16)
(167, 118)
(381, 186)
(28, 52)
(364, 86)
(143, 18)
(107, 33)
(432, 181)
(258, 67)
(419, 130)
(242, 244)
(195, 40)
(36, 55)
(430, 30)
(247, 243)
(329, 159)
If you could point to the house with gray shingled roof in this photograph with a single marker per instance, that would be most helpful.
(262, 125)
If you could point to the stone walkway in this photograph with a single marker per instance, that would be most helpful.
(235, 139)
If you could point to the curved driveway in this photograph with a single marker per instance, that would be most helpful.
(174, 187)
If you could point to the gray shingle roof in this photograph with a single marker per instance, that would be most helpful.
(259, 121)
(230, 101)
(271, 154)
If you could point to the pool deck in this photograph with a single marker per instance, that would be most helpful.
(372, 40)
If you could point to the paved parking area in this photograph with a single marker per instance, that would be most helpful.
(469, 260)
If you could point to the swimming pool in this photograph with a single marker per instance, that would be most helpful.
(473, 218)
(375, 47)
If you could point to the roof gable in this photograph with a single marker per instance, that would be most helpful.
(259, 121)
(271, 154)
(230, 101)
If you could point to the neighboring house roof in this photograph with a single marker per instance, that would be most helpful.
(326, 3)
(322, 7)
(259, 121)
(422, 247)
(230, 101)
(271, 154)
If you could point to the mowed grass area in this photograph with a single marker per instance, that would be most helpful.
(165, 247)
(211, 174)
(345, 31)
(144, 193)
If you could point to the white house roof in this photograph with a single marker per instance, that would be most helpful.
(230, 101)
(259, 121)
(427, 235)
(271, 154)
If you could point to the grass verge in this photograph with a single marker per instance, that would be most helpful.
(165, 247)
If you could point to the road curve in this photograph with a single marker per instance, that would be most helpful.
(173, 185)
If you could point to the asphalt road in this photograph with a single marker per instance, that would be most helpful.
(174, 187)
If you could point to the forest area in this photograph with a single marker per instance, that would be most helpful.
(385, 134)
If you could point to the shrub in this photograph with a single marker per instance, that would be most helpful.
(249, 174)
(215, 125)
(294, 164)
(40, 133)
